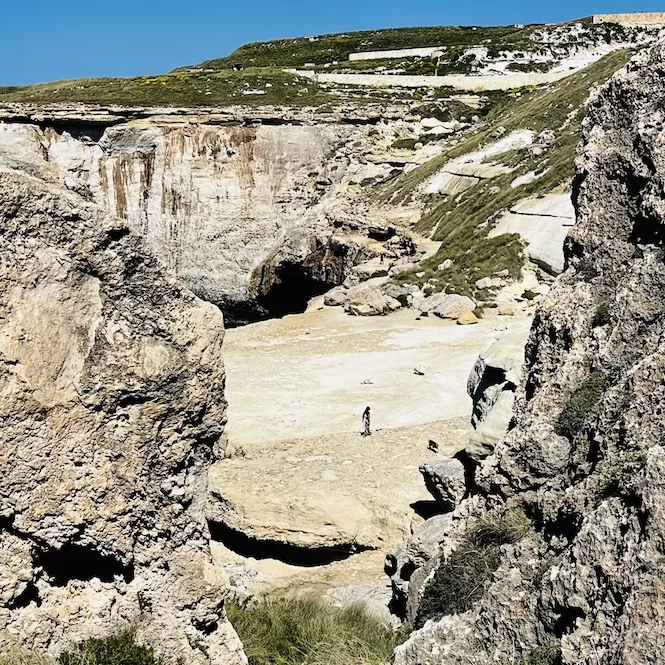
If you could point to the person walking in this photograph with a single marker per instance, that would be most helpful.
(366, 430)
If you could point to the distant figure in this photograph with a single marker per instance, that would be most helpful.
(433, 446)
(366, 431)
(382, 255)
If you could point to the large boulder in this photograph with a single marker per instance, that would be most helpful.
(335, 297)
(467, 319)
(492, 383)
(447, 305)
(585, 459)
(446, 482)
(112, 405)
(368, 300)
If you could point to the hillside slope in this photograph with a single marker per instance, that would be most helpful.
(562, 540)
(254, 74)
(546, 125)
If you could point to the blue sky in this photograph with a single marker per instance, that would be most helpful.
(44, 40)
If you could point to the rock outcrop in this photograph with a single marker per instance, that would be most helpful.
(409, 565)
(585, 458)
(364, 300)
(492, 385)
(218, 205)
(445, 481)
(112, 403)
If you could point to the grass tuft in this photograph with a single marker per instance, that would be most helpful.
(581, 404)
(460, 581)
(547, 655)
(120, 649)
(22, 656)
(308, 631)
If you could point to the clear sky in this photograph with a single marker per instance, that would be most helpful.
(45, 40)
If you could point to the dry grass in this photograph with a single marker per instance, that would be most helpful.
(17, 655)
(308, 631)
(462, 579)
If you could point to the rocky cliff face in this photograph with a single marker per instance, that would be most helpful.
(584, 461)
(112, 401)
(215, 203)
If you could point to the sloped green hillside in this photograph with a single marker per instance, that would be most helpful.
(182, 88)
(336, 47)
(459, 222)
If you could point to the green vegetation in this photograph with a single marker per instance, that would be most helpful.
(460, 222)
(476, 256)
(120, 649)
(179, 89)
(548, 655)
(460, 581)
(581, 404)
(528, 67)
(307, 631)
(331, 48)
(479, 312)
(334, 49)
(410, 144)
(536, 109)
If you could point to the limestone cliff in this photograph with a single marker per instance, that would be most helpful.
(584, 460)
(111, 403)
(215, 202)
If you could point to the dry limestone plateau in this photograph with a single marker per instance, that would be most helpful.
(301, 485)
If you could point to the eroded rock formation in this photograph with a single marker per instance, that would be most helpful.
(585, 460)
(492, 385)
(233, 207)
(111, 403)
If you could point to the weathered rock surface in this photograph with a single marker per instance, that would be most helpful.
(112, 402)
(407, 566)
(446, 305)
(543, 224)
(375, 599)
(585, 459)
(312, 501)
(492, 385)
(217, 204)
(445, 480)
(368, 300)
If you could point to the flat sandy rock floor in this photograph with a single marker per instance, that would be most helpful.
(296, 388)
(313, 374)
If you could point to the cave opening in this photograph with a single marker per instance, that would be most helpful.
(294, 288)
(294, 555)
(81, 562)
